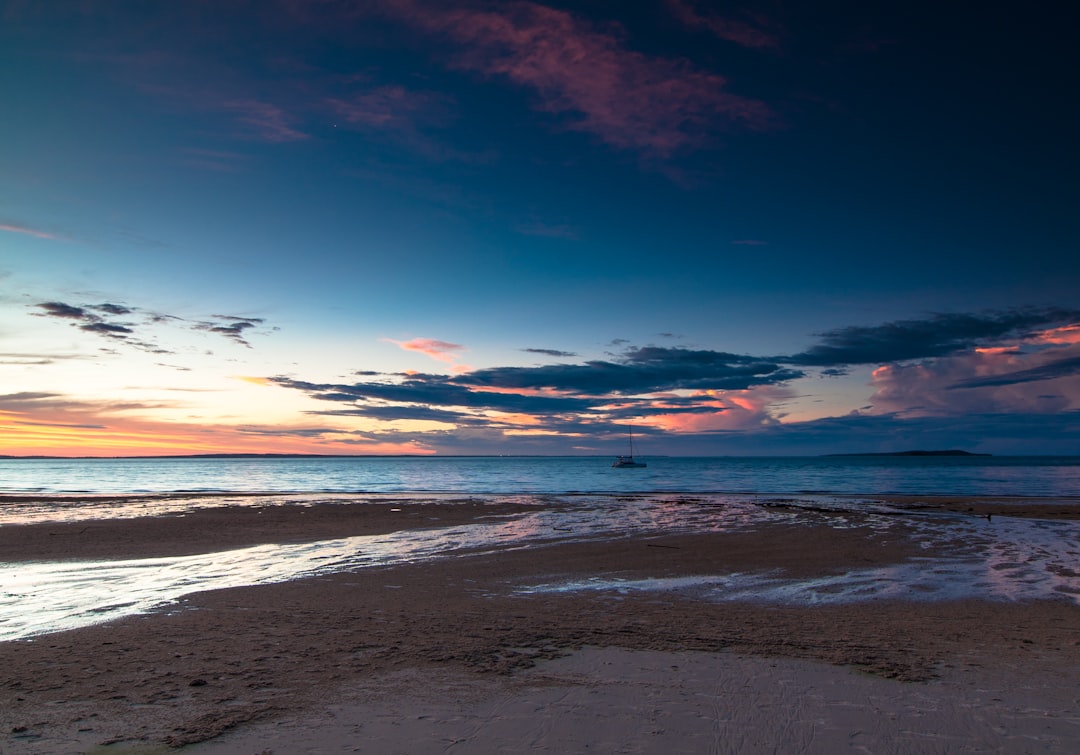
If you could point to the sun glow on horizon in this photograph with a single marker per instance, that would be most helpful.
(149, 439)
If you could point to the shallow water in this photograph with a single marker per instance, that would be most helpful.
(967, 556)
(877, 475)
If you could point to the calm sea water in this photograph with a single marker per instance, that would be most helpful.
(870, 475)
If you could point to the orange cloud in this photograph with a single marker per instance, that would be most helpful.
(1068, 334)
(746, 403)
(513, 418)
(443, 351)
(254, 380)
(542, 433)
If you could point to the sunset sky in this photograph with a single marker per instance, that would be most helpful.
(399, 226)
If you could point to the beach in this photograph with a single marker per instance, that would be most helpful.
(607, 642)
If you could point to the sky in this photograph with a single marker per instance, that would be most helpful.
(407, 226)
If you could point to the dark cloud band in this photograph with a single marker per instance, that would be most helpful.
(935, 336)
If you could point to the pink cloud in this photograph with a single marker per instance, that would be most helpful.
(27, 231)
(725, 28)
(629, 99)
(1064, 335)
(748, 409)
(266, 122)
(443, 351)
(937, 387)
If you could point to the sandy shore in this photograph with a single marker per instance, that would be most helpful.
(616, 700)
(453, 655)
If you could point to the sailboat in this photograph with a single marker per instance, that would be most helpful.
(627, 462)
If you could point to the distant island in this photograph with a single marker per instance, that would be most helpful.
(949, 452)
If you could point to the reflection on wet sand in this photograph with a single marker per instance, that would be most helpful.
(960, 556)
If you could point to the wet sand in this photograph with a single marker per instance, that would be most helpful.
(1027, 508)
(208, 530)
(456, 653)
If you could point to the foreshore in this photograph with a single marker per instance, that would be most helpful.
(468, 652)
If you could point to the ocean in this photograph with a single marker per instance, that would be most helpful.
(1043, 476)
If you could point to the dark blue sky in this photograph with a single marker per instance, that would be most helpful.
(515, 227)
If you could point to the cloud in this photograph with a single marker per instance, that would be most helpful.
(92, 318)
(706, 401)
(562, 399)
(551, 352)
(394, 413)
(231, 327)
(114, 309)
(640, 370)
(16, 358)
(745, 410)
(750, 242)
(107, 329)
(9, 399)
(28, 231)
(732, 30)
(1051, 371)
(1064, 335)
(980, 382)
(253, 379)
(935, 336)
(264, 121)
(59, 309)
(434, 390)
(628, 99)
(442, 351)
(986, 432)
(88, 319)
(46, 407)
(68, 425)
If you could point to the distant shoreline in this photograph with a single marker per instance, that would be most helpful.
(949, 452)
